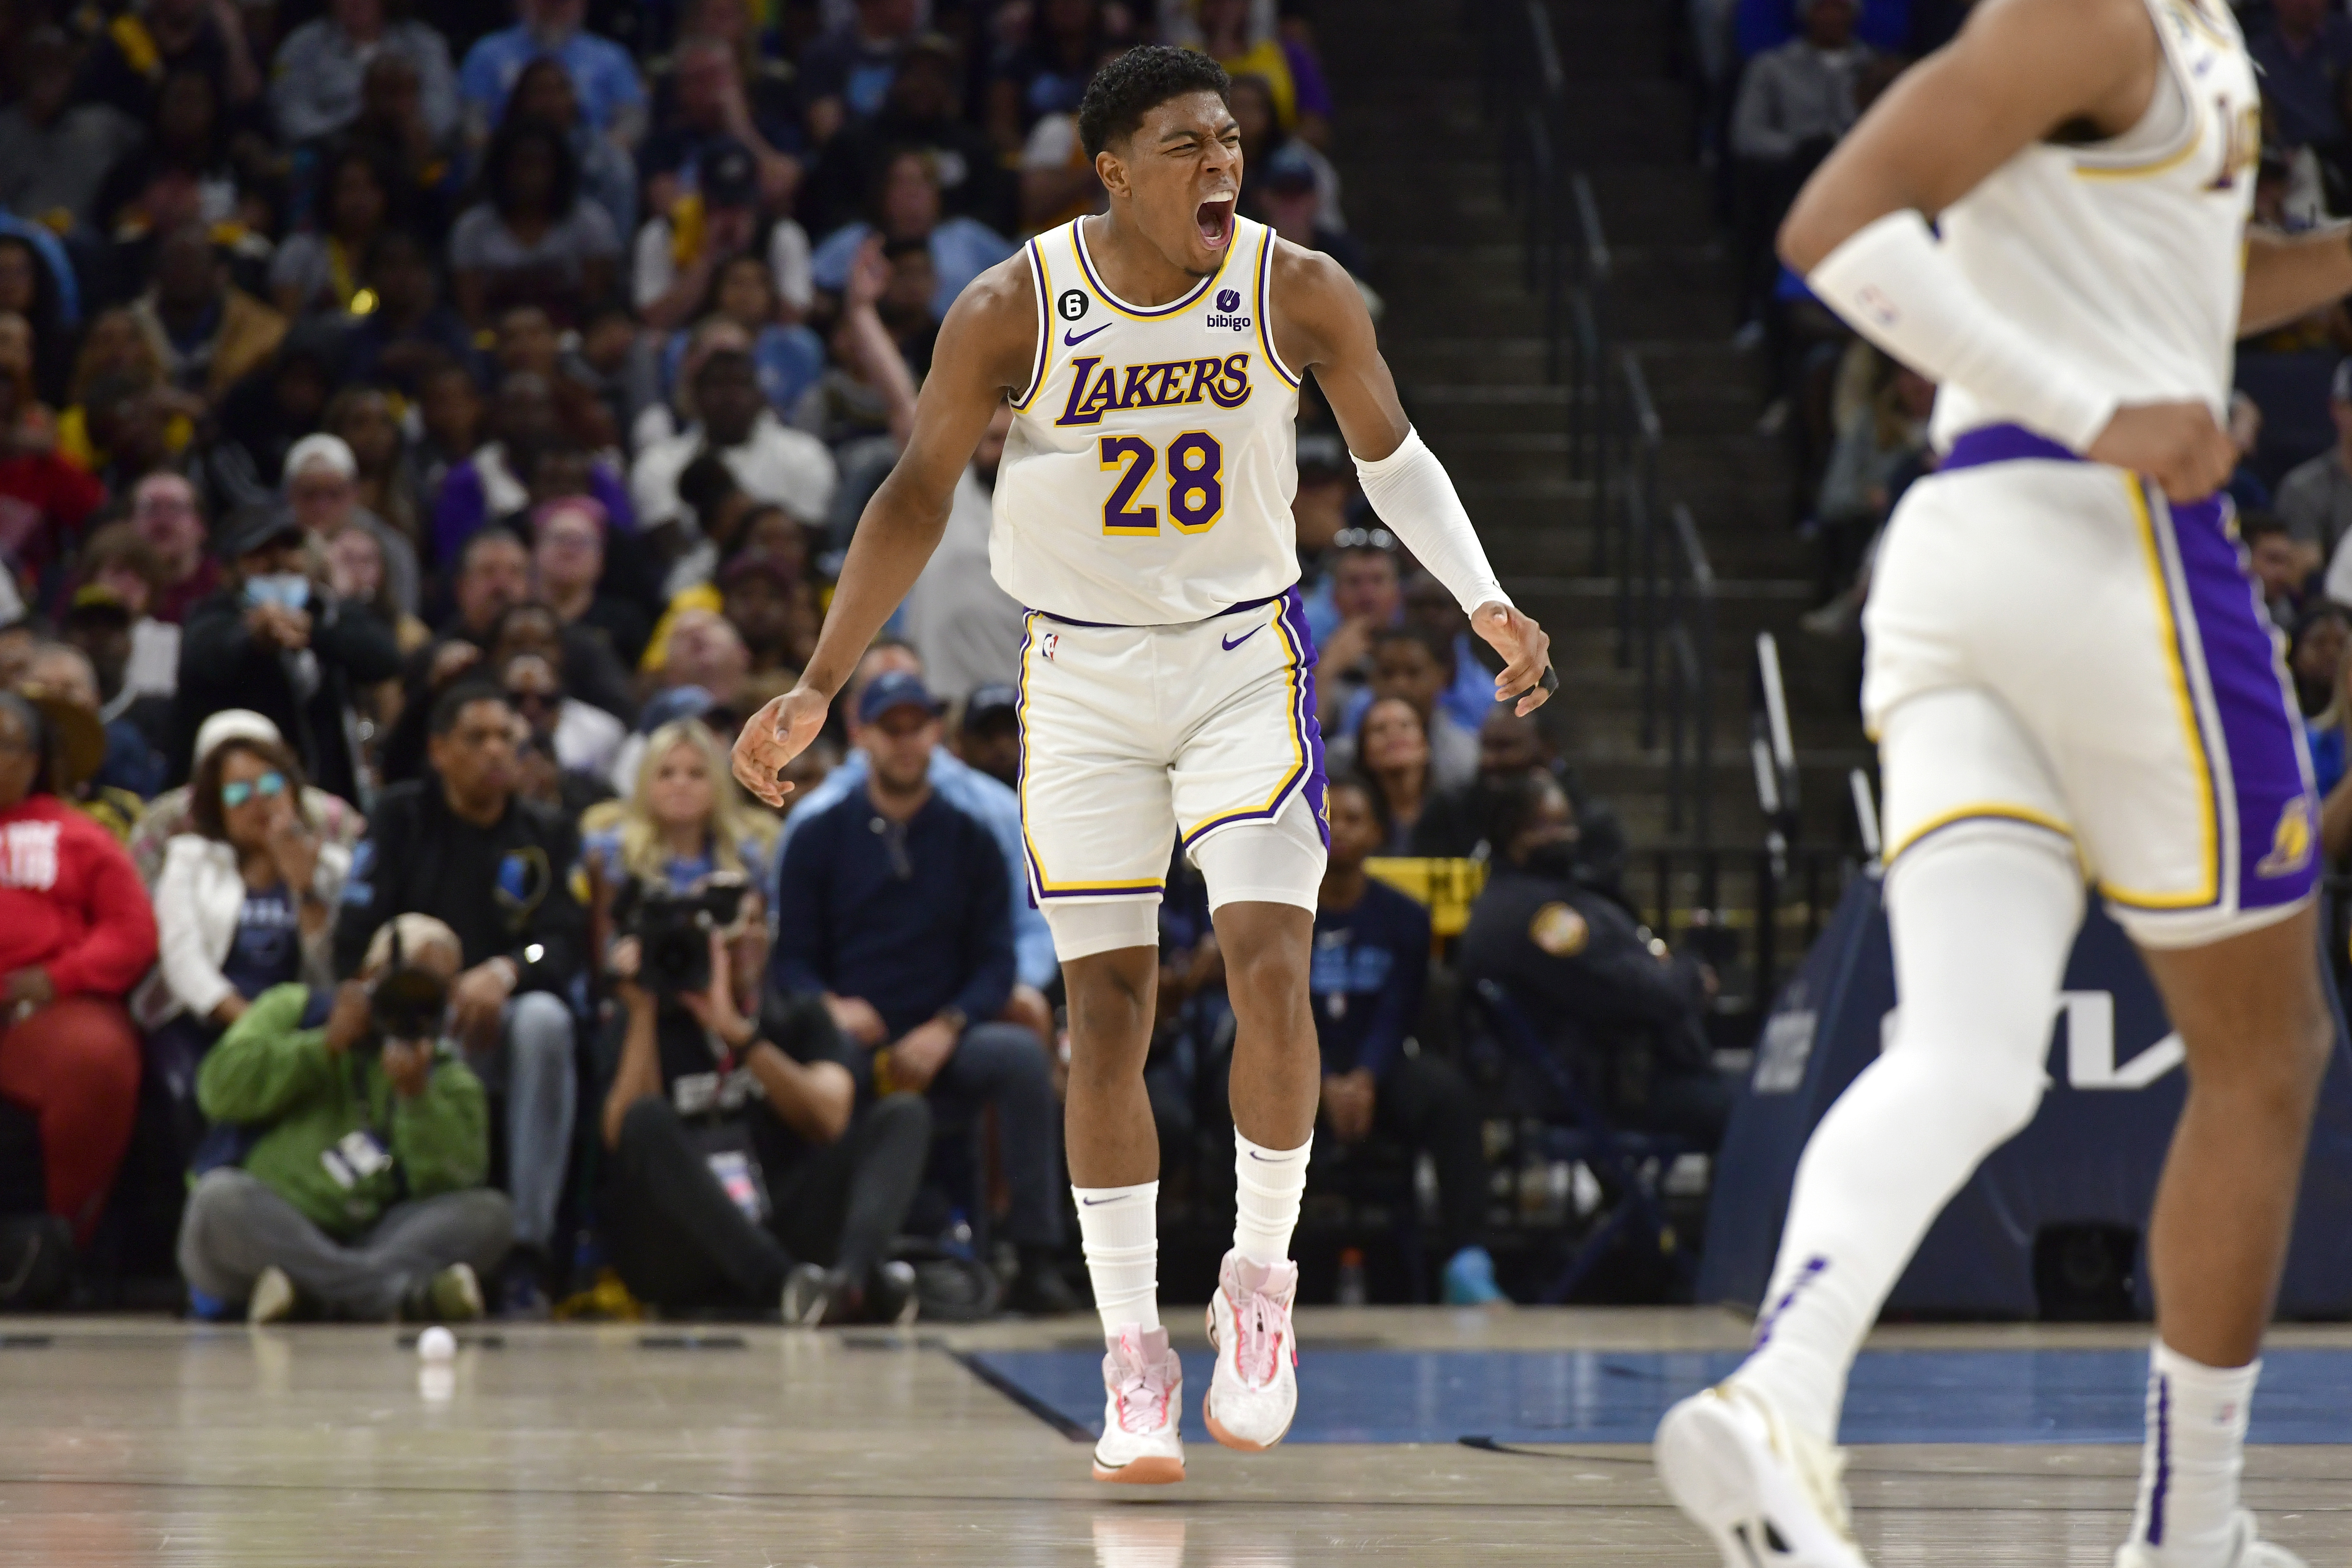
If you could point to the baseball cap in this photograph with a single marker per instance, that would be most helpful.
(895, 689)
(321, 451)
(987, 702)
(255, 528)
(1290, 169)
(235, 724)
(668, 706)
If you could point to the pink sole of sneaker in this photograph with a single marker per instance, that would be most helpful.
(1239, 1444)
(1146, 1472)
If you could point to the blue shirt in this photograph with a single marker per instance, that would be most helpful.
(2327, 756)
(1371, 964)
(2301, 87)
(787, 360)
(967, 789)
(961, 249)
(268, 948)
(1883, 24)
(602, 74)
(911, 916)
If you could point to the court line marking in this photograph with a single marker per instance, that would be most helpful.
(1069, 1429)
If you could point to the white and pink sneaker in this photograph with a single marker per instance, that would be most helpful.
(1145, 1384)
(1254, 1392)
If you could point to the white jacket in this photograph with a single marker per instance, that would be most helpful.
(197, 901)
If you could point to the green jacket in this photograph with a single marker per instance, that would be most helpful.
(305, 1102)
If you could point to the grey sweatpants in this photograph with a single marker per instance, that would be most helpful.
(237, 1226)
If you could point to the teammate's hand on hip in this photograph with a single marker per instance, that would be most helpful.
(772, 737)
(1526, 648)
(2178, 444)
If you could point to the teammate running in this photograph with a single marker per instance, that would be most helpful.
(1153, 357)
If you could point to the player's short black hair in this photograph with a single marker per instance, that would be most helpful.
(1138, 82)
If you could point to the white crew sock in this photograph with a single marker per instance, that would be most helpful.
(1121, 1229)
(1982, 922)
(2188, 1468)
(1268, 1183)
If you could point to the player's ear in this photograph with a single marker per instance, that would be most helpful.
(1111, 172)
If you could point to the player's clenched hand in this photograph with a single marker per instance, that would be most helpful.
(773, 737)
(1526, 648)
(2178, 445)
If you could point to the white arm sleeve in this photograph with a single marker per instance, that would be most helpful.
(1410, 491)
(1895, 285)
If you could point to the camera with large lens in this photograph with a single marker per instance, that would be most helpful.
(406, 1004)
(673, 930)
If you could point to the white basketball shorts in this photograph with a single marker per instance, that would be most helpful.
(2054, 648)
(1135, 738)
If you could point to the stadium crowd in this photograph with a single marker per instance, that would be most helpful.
(424, 438)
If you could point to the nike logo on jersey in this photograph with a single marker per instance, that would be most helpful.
(1072, 340)
(1232, 643)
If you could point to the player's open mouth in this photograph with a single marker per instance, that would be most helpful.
(1216, 219)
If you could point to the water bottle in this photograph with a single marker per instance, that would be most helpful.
(1351, 1277)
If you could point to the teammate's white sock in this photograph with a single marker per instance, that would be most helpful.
(1268, 1183)
(1121, 1229)
(2188, 1468)
(1982, 924)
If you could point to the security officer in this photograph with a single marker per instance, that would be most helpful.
(1628, 1015)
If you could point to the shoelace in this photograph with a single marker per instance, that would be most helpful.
(1261, 1328)
(1142, 1387)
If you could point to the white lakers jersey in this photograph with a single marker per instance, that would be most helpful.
(1148, 477)
(2127, 256)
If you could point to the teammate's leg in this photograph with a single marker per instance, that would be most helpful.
(2250, 1010)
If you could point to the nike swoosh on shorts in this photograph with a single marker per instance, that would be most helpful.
(1232, 643)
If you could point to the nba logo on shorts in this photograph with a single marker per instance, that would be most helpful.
(1047, 644)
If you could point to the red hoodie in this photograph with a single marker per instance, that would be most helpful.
(71, 901)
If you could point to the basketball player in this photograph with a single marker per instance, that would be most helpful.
(2070, 675)
(1152, 358)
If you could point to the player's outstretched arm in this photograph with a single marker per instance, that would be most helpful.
(983, 352)
(2019, 72)
(1321, 323)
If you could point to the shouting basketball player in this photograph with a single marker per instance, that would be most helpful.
(1153, 357)
(2070, 674)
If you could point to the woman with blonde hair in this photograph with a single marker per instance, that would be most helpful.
(682, 820)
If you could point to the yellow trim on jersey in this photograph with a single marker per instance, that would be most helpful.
(1047, 886)
(2195, 16)
(1293, 669)
(1045, 328)
(1266, 307)
(2144, 171)
(1978, 813)
(1140, 313)
(2167, 624)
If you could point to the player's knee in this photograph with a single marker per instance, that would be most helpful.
(1268, 974)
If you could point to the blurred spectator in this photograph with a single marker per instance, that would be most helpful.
(393, 120)
(270, 641)
(115, 353)
(173, 813)
(75, 933)
(458, 845)
(145, 46)
(1058, 181)
(1366, 594)
(1629, 1017)
(789, 358)
(267, 412)
(128, 768)
(120, 569)
(1047, 73)
(1289, 194)
(681, 248)
(528, 342)
(37, 285)
(532, 239)
(1461, 824)
(356, 572)
(314, 89)
(54, 148)
(680, 821)
(922, 113)
(967, 629)
(323, 492)
(1236, 36)
(206, 334)
(718, 97)
(1416, 665)
(411, 333)
(320, 269)
(568, 563)
(164, 510)
(491, 486)
(905, 204)
(358, 1187)
(1391, 752)
(2314, 499)
(1794, 103)
(988, 733)
(1264, 140)
(385, 483)
(2303, 51)
(1372, 962)
(2316, 652)
(848, 71)
(43, 499)
(2329, 734)
(2246, 488)
(194, 168)
(2279, 567)
(769, 460)
(769, 606)
(612, 98)
(580, 739)
(493, 579)
(891, 907)
(608, 176)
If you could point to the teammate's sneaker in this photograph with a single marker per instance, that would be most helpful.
(1144, 1385)
(2249, 1551)
(1254, 1392)
(1762, 1491)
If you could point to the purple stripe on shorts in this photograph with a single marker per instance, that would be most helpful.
(1305, 728)
(2261, 733)
(2002, 444)
(2162, 1488)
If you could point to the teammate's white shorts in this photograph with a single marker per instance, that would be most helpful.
(2054, 648)
(1134, 736)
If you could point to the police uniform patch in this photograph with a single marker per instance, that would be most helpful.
(1559, 931)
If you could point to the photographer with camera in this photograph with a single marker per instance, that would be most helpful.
(732, 1120)
(357, 1145)
(460, 845)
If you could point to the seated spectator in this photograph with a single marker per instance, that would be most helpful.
(719, 89)
(139, 665)
(681, 821)
(608, 179)
(55, 148)
(359, 1187)
(1371, 963)
(528, 341)
(323, 492)
(1416, 665)
(1058, 181)
(922, 112)
(891, 906)
(44, 499)
(2329, 734)
(2246, 488)
(567, 559)
(702, 674)
(314, 88)
(770, 460)
(264, 414)
(173, 813)
(318, 269)
(532, 239)
(1366, 593)
(38, 283)
(988, 735)
(580, 738)
(967, 629)
(1794, 103)
(679, 250)
(775, 616)
(412, 332)
(612, 98)
(1461, 824)
(2314, 499)
(1629, 1017)
(75, 933)
(1471, 696)
(1230, 32)
(1263, 137)
(2280, 569)
(1047, 72)
(2302, 52)
(723, 1172)
(356, 572)
(490, 487)
(164, 511)
(206, 334)
(191, 167)
(271, 640)
(126, 64)
(789, 358)
(383, 481)
(845, 73)
(1290, 191)
(2315, 651)
(960, 785)
(128, 768)
(458, 845)
(1390, 749)
(863, 407)
(905, 204)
